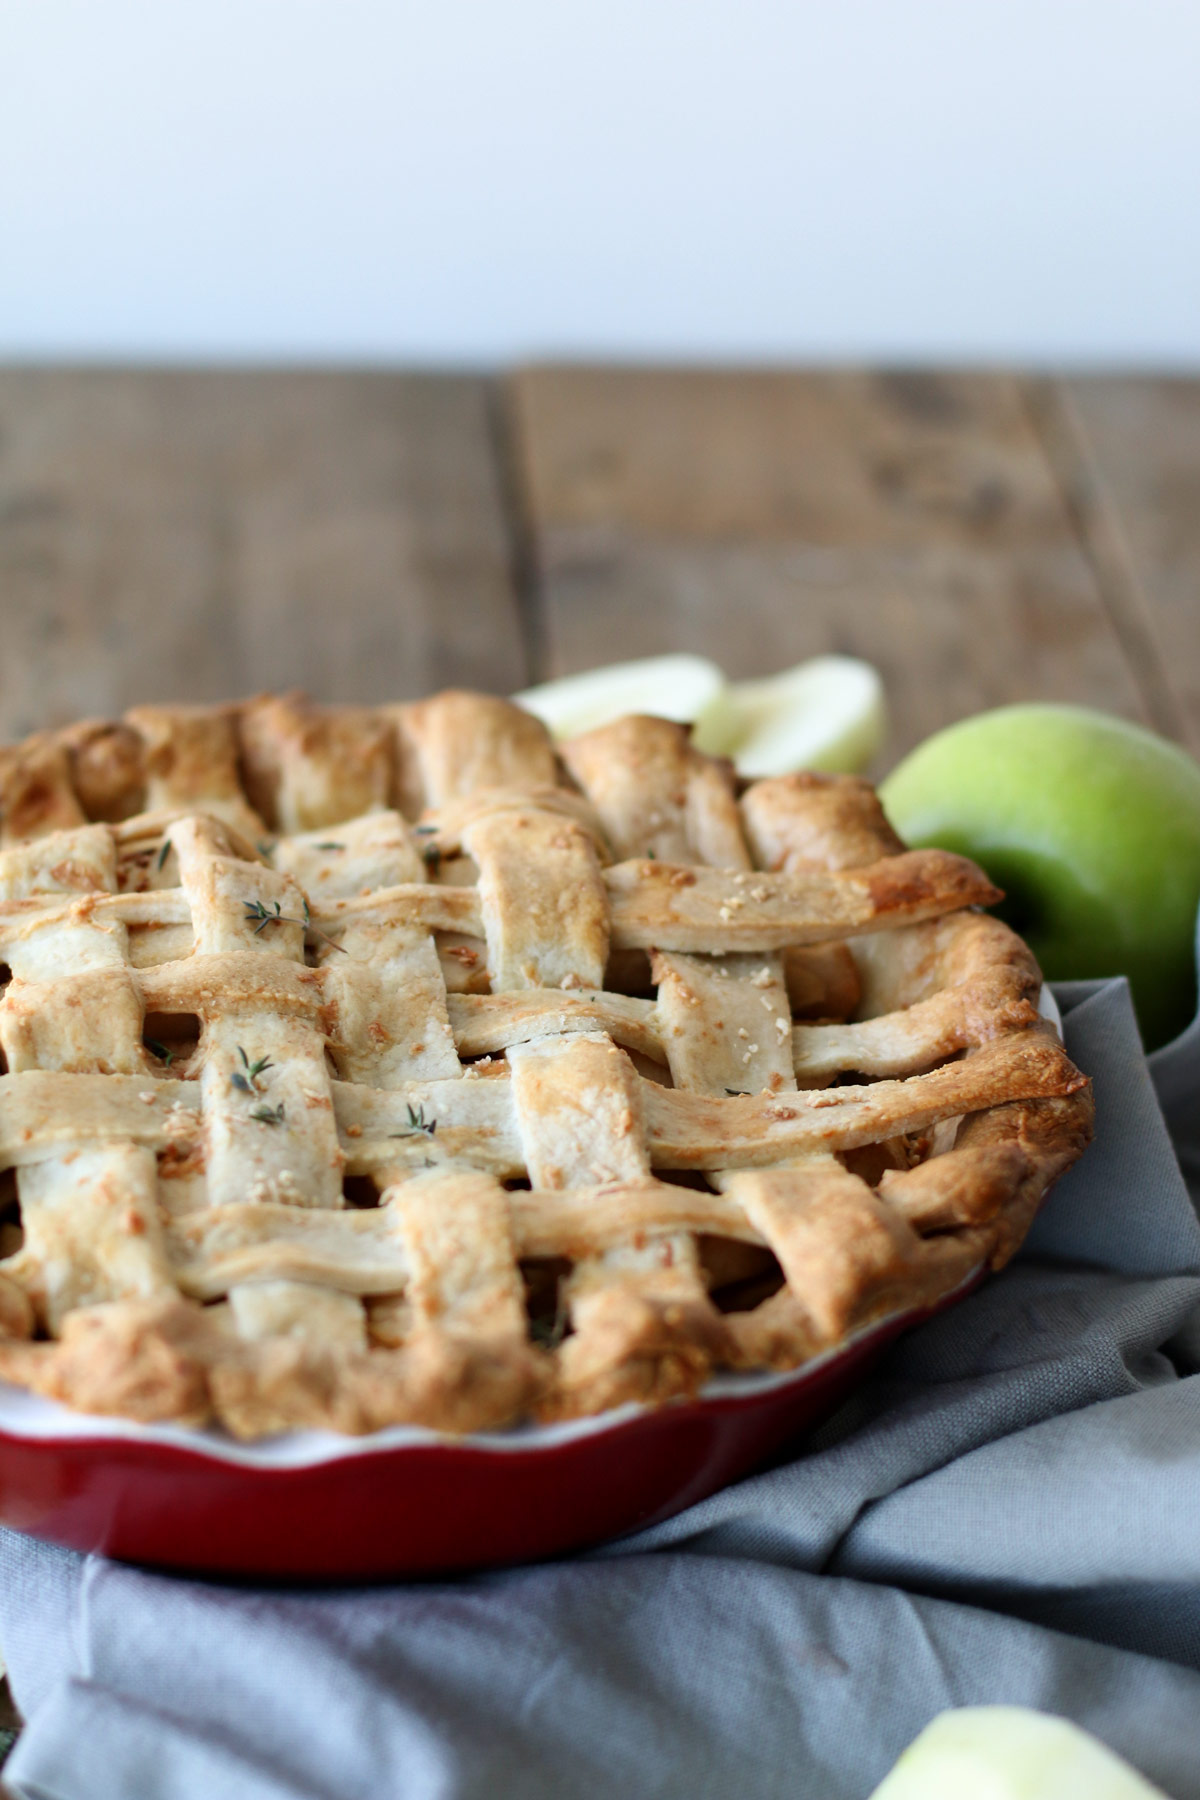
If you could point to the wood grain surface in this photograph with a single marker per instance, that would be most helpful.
(1137, 461)
(198, 535)
(366, 535)
(915, 520)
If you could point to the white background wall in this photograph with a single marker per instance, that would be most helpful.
(474, 180)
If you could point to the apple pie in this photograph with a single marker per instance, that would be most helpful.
(366, 1066)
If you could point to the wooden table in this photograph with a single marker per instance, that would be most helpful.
(370, 536)
(981, 537)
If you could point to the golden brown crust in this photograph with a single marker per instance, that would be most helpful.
(107, 769)
(37, 794)
(1051, 1134)
(145, 1360)
(628, 767)
(830, 1066)
(307, 766)
(811, 821)
(456, 744)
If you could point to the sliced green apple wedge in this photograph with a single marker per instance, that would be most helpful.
(824, 714)
(827, 713)
(1010, 1753)
(684, 688)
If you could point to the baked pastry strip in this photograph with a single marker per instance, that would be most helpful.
(90, 1216)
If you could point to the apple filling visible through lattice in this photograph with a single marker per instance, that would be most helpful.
(366, 1066)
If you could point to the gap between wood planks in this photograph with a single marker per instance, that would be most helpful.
(517, 514)
(1103, 539)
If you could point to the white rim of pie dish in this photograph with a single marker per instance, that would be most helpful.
(33, 1418)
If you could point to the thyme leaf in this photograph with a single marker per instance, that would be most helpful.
(163, 853)
(160, 1050)
(329, 846)
(268, 1115)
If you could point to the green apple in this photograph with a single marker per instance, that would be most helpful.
(1092, 828)
(1010, 1753)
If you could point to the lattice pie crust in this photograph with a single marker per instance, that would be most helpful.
(522, 1085)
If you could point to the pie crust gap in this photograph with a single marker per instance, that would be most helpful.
(381, 1065)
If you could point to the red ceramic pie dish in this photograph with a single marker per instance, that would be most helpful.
(407, 1501)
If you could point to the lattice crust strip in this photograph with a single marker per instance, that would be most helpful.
(377, 1065)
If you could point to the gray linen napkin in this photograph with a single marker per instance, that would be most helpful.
(1005, 1513)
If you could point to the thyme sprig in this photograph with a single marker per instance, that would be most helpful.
(247, 1083)
(418, 1123)
(257, 909)
(275, 915)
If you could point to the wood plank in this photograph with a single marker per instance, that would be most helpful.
(196, 535)
(1138, 491)
(760, 518)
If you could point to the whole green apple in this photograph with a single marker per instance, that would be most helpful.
(1092, 828)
